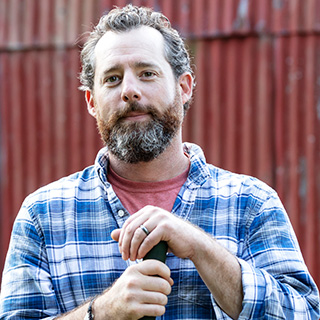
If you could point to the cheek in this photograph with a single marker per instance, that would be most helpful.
(106, 105)
(165, 93)
(105, 114)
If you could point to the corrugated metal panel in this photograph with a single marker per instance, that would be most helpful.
(45, 129)
(297, 153)
(256, 107)
(232, 116)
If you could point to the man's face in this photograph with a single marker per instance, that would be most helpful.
(136, 99)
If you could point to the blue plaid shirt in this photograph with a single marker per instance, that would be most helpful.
(61, 252)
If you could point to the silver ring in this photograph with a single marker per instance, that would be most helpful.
(146, 231)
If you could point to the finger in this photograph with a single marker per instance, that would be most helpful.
(138, 237)
(133, 230)
(127, 222)
(145, 210)
(115, 234)
(144, 239)
(157, 284)
(155, 268)
(152, 310)
(123, 229)
(149, 242)
(154, 297)
(125, 244)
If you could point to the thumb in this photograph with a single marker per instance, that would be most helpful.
(115, 234)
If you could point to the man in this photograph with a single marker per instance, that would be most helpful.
(77, 244)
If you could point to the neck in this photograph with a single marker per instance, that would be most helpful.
(171, 163)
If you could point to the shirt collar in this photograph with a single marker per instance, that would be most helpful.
(198, 173)
(101, 165)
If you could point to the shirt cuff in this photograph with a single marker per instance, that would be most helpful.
(254, 286)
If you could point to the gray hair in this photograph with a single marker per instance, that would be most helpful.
(128, 18)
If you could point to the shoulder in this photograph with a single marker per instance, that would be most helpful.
(232, 192)
(79, 185)
(74, 186)
(237, 183)
(223, 181)
(56, 206)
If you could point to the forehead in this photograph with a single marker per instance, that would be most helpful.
(144, 44)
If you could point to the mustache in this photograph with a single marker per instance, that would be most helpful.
(137, 107)
(133, 107)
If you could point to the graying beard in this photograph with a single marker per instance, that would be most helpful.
(135, 143)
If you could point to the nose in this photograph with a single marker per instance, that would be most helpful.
(130, 89)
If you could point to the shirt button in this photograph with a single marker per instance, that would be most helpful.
(121, 213)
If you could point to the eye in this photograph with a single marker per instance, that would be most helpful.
(148, 74)
(112, 79)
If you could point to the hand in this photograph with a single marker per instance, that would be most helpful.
(140, 291)
(180, 235)
(218, 268)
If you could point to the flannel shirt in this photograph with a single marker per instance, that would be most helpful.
(61, 252)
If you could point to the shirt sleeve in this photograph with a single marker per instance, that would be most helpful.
(275, 279)
(27, 291)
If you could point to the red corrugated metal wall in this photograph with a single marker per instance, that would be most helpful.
(256, 106)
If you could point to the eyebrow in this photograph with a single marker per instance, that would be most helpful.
(110, 70)
(141, 64)
(138, 65)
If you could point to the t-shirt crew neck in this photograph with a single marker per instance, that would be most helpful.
(136, 195)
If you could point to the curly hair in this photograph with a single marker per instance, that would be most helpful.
(128, 18)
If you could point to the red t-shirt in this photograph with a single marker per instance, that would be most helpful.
(135, 195)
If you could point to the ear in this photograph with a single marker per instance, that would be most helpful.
(90, 103)
(186, 86)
